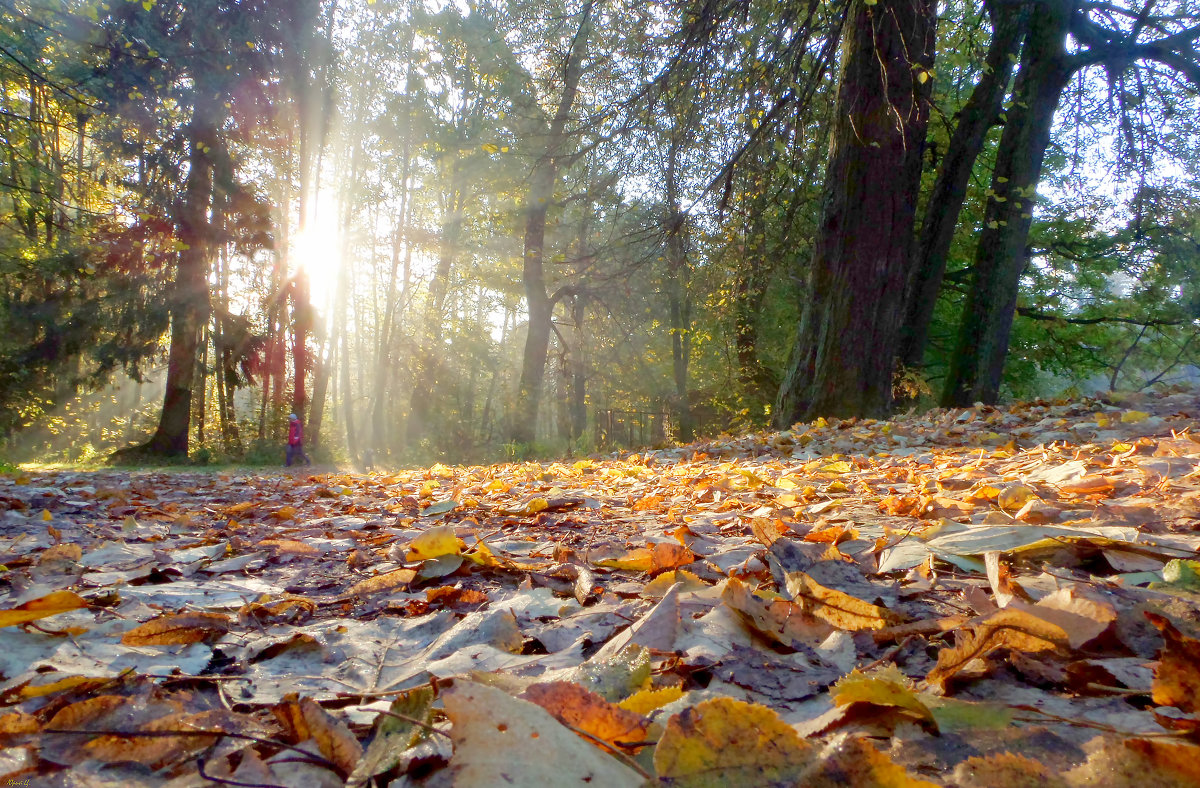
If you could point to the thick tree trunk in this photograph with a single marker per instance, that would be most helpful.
(977, 366)
(189, 297)
(842, 361)
(1010, 20)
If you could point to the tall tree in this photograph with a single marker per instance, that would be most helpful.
(1046, 68)
(842, 361)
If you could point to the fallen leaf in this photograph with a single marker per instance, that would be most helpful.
(388, 581)
(885, 687)
(1138, 763)
(302, 719)
(723, 741)
(781, 620)
(49, 605)
(837, 608)
(648, 700)
(1006, 628)
(1006, 770)
(576, 707)
(434, 543)
(176, 629)
(1177, 674)
(394, 734)
(499, 739)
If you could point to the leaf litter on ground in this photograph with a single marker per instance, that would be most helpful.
(982, 596)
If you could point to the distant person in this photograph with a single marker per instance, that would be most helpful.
(295, 441)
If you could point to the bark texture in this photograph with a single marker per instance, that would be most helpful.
(842, 361)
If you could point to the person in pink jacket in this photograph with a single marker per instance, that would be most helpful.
(295, 441)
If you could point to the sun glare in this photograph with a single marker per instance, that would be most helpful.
(318, 250)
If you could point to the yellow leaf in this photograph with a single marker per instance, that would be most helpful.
(647, 700)
(489, 147)
(723, 742)
(1134, 416)
(1014, 496)
(49, 605)
(842, 466)
(783, 621)
(433, 543)
(659, 586)
(46, 516)
(885, 687)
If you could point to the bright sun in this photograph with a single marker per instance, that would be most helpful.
(318, 250)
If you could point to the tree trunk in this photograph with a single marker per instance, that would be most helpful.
(541, 192)
(843, 358)
(1009, 22)
(189, 297)
(977, 365)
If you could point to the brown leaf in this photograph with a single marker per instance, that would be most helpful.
(18, 723)
(49, 605)
(385, 582)
(852, 762)
(79, 714)
(1177, 675)
(65, 552)
(453, 595)
(1138, 763)
(157, 751)
(575, 706)
(303, 719)
(289, 546)
(837, 607)
(779, 619)
(1006, 770)
(1008, 628)
(292, 610)
(177, 629)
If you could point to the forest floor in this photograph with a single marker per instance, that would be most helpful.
(981, 597)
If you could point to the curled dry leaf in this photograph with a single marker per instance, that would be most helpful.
(837, 608)
(302, 719)
(177, 629)
(49, 605)
(1177, 675)
(779, 619)
(1008, 628)
(573, 705)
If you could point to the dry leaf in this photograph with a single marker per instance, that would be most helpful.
(1006, 770)
(49, 605)
(1177, 674)
(885, 687)
(724, 742)
(433, 543)
(779, 619)
(386, 582)
(837, 607)
(1138, 763)
(648, 700)
(576, 707)
(1007, 628)
(303, 719)
(502, 740)
(177, 629)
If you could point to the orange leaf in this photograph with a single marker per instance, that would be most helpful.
(1006, 628)
(573, 705)
(1177, 675)
(303, 719)
(384, 582)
